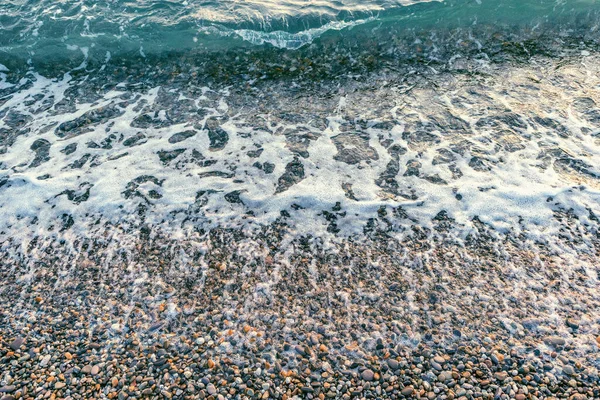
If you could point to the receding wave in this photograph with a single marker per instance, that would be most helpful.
(283, 39)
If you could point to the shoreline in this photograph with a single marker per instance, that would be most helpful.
(364, 321)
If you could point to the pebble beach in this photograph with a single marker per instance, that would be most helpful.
(363, 325)
(364, 209)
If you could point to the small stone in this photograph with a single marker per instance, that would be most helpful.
(87, 369)
(368, 375)
(573, 383)
(572, 323)
(569, 370)
(7, 389)
(555, 341)
(95, 370)
(444, 376)
(45, 360)
(155, 326)
(578, 396)
(407, 391)
(68, 356)
(501, 376)
(393, 364)
(436, 366)
(16, 344)
(59, 385)
(211, 364)
(211, 389)
(181, 136)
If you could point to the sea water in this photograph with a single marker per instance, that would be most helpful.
(187, 116)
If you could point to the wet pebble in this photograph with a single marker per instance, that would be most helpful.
(367, 375)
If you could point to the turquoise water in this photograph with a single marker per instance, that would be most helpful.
(52, 32)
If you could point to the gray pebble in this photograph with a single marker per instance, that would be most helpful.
(16, 344)
(211, 389)
(407, 391)
(555, 341)
(367, 375)
(569, 370)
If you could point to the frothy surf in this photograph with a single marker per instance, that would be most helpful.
(464, 148)
(283, 39)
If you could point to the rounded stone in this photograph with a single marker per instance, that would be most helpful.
(367, 375)
(407, 391)
(211, 389)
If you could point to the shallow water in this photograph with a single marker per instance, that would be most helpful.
(41, 32)
(199, 115)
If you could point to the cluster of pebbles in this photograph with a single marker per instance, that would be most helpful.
(380, 318)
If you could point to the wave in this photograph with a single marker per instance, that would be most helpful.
(423, 30)
(283, 39)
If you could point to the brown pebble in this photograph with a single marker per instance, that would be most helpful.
(501, 376)
(407, 391)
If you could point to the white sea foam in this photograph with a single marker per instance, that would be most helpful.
(283, 39)
(268, 12)
(287, 40)
(515, 189)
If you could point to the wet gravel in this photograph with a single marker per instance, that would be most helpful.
(378, 319)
